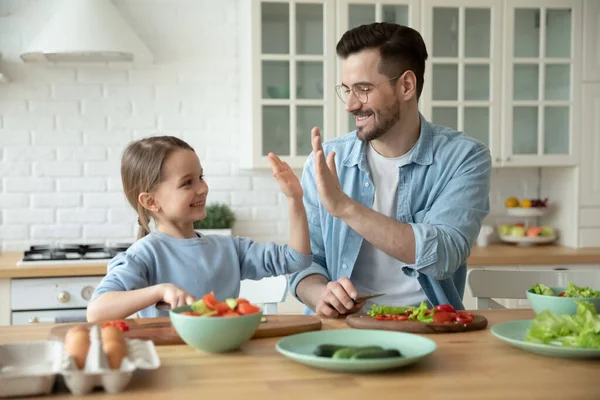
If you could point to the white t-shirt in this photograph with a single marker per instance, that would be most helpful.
(376, 271)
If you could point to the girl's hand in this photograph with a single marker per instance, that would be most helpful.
(288, 182)
(175, 296)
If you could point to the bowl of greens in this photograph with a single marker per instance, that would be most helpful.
(560, 300)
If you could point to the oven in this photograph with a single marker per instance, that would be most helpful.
(53, 300)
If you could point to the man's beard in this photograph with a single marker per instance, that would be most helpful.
(384, 120)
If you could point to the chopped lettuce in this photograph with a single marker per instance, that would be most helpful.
(540, 288)
(576, 291)
(579, 330)
(417, 313)
(381, 309)
(572, 291)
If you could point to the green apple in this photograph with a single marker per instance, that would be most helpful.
(547, 231)
(504, 230)
(517, 231)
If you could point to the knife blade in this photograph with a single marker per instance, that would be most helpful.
(362, 299)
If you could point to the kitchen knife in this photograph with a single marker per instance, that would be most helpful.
(362, 299)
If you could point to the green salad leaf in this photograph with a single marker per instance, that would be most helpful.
(579, 330)
(576, 291)
(378, 309)
(540, 288)
(417, 313)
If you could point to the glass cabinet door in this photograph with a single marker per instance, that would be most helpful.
(541, 61)
(353, 13)
(462, 79)
(296, 70)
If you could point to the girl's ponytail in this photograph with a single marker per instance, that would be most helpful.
(143, 222)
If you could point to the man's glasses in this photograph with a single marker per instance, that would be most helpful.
(361, 90)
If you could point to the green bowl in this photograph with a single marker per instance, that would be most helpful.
(214, 334)
(558, 305)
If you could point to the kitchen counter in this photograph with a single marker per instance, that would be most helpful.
(492, 255)
(469, 366)
(9, 268)
(510, 255)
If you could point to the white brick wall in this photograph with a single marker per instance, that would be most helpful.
(63, 127)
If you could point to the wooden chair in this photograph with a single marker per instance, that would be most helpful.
(267, 291)
(486, 285)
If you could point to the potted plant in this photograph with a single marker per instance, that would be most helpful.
(218, 221)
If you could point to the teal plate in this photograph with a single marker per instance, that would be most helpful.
(514, 332)
(300, 348)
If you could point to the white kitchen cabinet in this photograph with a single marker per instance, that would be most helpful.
(591, 40)
(289, 54)
(542, 75)
(463, 74)
(4, 302)
(590, 146)
(589, 186)
(507, 72)
(353, 13)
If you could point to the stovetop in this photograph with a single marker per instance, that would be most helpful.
(73, 252)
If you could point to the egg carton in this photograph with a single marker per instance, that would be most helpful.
(141, 354)
(31, 368)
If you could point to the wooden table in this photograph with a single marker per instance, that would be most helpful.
(466, 366)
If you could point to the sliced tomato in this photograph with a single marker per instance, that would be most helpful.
(242, 300)
(464, 317)
(209, 300)
(562, 294)
(190, 313)
(230, 314)
(122, 325)
(445, 307)
(443, 317)
(247, 308)
(221, 307)
(390, 317)
(426, 313)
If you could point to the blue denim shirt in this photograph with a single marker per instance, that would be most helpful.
(443, 193)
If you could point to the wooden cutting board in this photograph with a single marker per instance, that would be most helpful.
(368, 322)
(161, 332)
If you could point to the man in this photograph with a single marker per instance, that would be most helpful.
(395, 206)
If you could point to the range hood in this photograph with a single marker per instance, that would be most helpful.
(87, 31)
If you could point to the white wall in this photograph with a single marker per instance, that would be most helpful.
(63, 127)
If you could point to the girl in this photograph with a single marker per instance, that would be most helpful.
(163, 181)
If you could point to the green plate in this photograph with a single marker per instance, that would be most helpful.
(514, 332)
(300, 348)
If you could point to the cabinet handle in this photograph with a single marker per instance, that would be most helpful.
(498, 159)
(507, 158)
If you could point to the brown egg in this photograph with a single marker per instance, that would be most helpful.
(111, 333)
(115, 352)
(76, 328)
(77, 345)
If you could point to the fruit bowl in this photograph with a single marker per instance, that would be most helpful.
(526, 212)
(528, 240)
(526, 236)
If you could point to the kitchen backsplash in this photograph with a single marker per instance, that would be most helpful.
(62, 128)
